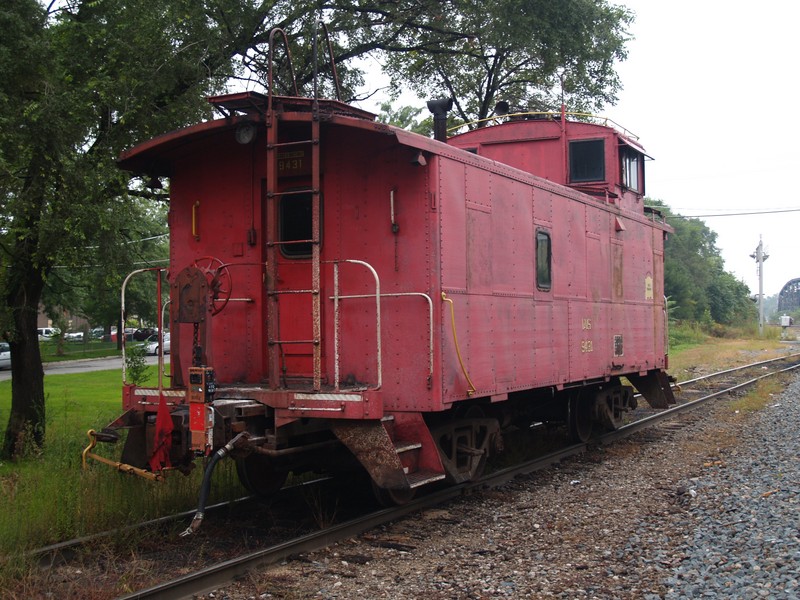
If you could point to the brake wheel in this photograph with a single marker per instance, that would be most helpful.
(219, 281)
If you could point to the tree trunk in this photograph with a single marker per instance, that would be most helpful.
(26, 423)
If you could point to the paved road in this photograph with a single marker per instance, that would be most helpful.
(82, 366)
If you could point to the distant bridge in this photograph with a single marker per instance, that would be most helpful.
(789, 298)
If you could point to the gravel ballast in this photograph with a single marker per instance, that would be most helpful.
(699, 507)
(746, 540)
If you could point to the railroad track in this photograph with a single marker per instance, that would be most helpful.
(699, 386)
(693, 394)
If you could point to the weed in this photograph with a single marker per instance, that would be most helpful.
(759, 396)
(324, 508)
(136, 369)
(47, 497)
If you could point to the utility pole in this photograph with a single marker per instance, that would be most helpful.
(760, 257)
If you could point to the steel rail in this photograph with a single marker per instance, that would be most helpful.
(739, 368)
(220, 574)
(46, 553)
(545, 461)
(215, 576)
(646, 422)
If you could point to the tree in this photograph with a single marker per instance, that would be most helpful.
(530, 53)
(527, 52)
(92, 289)
(406, 118)
(695, 277)
(79, 85)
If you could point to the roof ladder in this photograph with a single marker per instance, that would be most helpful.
(273, 242)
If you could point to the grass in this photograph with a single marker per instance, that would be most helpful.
(716, 353)
(47, 497)
(70, 350)
(716, 442)
(713, 354)
(760, 396)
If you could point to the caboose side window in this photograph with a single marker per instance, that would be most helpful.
(295, 225)
(587, 161)
(543, 260)
(631, 168)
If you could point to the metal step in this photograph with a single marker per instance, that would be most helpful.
(421, 478)
(401, 447)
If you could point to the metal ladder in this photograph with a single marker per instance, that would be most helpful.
(274, 341)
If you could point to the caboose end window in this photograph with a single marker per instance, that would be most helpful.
(543, 261)
(586, 161)
(631, 169)
(295, 225)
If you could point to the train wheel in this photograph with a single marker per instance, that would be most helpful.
(259, 476)
(480, 433)
(464, 444)
(390, 498)
(579, 419)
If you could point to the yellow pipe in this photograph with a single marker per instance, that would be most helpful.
(195, 206)
(122, 467)
(471, 389)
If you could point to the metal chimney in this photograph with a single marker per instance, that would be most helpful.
(439, 109)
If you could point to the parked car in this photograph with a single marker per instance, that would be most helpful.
(144, 333)
(5, 355)
(45, 333)
(151, 345)
(74, 336)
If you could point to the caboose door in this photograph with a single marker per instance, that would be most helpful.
(291, 329)
(292, 256)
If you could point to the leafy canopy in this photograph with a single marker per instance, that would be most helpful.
(533, 54)
(695, 279)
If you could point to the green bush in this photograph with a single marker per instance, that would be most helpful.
(684, 334)
(136, 369)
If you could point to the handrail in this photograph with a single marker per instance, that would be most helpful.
(161, 365)
(430, 319)
(122, 315)
(270, 63)
(336, 298)
(333, 62)
(556, 116)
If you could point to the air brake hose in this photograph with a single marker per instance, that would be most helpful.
(206, 486)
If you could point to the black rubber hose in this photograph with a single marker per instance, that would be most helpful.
(206, 486)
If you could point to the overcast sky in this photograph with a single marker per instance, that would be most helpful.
(711, 88)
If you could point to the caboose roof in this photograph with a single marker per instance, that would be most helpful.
(155, 156)
(520, 130)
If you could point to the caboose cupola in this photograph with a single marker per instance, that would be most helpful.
(584, 153)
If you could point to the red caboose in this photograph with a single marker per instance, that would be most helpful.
(343, 291)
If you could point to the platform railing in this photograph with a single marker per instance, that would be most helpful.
(337, 298)
(545, 115)
(336, 315)
(160, 323)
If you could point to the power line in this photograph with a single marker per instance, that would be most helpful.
(734, 214)
(147, 239)
(136, 264)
